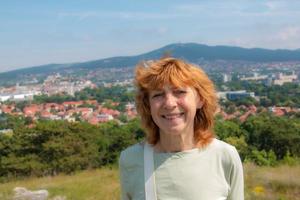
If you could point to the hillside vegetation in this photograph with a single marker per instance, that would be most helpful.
(262, 183)
(54, 147)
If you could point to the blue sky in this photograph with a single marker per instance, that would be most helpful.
(35, 32)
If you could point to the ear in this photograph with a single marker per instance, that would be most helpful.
(199, 101)
(200, 104)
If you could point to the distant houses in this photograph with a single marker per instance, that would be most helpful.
(71, 111)
(243, 112)
(53, 84)
(74, 111)
(272, 79)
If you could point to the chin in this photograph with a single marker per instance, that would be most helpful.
(173, 131)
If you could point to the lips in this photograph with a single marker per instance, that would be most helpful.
(172, 116)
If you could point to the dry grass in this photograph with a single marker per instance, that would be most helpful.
(100, 184)
(262, 183)
(272, 183)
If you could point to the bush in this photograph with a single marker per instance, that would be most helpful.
(290, 160)
(262, 158)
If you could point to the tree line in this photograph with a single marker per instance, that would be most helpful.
(53, 147)
(101, 94)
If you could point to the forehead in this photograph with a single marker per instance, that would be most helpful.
(170, 82)
(169, 87)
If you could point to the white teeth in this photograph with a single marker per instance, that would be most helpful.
(172, 116)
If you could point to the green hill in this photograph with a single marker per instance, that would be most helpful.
(189, 51)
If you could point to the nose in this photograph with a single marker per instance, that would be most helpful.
(170, 101)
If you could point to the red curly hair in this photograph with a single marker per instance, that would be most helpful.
(155, 74)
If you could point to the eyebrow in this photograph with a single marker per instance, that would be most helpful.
(155, 91)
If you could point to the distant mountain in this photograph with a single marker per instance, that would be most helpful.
(194, 52)
(189, 51)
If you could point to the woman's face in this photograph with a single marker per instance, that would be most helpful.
(173, 109)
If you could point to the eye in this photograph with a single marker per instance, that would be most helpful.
(157, 95)
(180, 92)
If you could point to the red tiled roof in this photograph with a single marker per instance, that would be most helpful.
(110, 112)
(93, 102)
(93, 120)
(32, 110)
(278, 112)
(45, 113)
(72, 103)
(84, 109)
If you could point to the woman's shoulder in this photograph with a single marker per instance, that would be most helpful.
(133, 150)
(132, 155)
(221, 145)
(227, 151)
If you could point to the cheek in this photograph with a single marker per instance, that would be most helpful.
(154, 106)
(184, 103)
(188, 105)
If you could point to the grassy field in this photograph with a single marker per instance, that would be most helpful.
(87, 185)
(262, 183)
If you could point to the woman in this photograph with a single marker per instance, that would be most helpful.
(181, 159)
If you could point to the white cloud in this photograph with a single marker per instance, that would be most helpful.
(281, 8)
(79, 15)
(192, 7)
(285, 38)
(119, 15)
(289, 33)
(162, 30)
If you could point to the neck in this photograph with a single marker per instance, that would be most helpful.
(171, 143)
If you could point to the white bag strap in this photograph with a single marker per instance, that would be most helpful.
(150, 191)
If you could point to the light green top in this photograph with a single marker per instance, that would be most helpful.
(212, 173)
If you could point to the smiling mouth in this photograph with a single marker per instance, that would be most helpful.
(172, 116)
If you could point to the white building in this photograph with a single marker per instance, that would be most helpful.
(19, 96)
(4, 97)
(226, 78)
(255, 77)
(235, 95)
(281, 79)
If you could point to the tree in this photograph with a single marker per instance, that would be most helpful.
(117, 139)
(240, 144)
(225, 129)
(279, 134)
